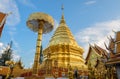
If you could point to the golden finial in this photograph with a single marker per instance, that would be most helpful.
(62, 8)
(62, 18)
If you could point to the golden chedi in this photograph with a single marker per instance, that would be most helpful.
(64, 49)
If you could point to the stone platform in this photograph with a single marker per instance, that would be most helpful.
(57, 78)
(38, 78)
(34, 77)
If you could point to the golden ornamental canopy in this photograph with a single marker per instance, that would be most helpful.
(34, 22)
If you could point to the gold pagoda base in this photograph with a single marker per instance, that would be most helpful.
(39, 77)
(48, 76)
(34, 77)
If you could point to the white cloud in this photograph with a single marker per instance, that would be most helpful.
(8, 6)
(16, 57)
(55, 24)
(27, 3)
(31, 65)
(97, 33)
(1, 48)
(1, 44)
(90, 2)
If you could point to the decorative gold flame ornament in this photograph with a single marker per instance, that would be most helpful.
(41, 23)
(11, 65)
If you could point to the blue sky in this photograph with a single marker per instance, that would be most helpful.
(90, 21)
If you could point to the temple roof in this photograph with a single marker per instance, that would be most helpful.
(98, 50)
(114, 48)
(63, 35)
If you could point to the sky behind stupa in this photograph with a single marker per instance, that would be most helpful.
(90, 21)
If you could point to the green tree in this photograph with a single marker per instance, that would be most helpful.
(41, 55)
(6, 55)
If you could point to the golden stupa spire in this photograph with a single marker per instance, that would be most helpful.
(63, 35)
(62, 18)
(64, 48)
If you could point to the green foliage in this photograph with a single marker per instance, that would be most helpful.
(6, 55)
(41, 55)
